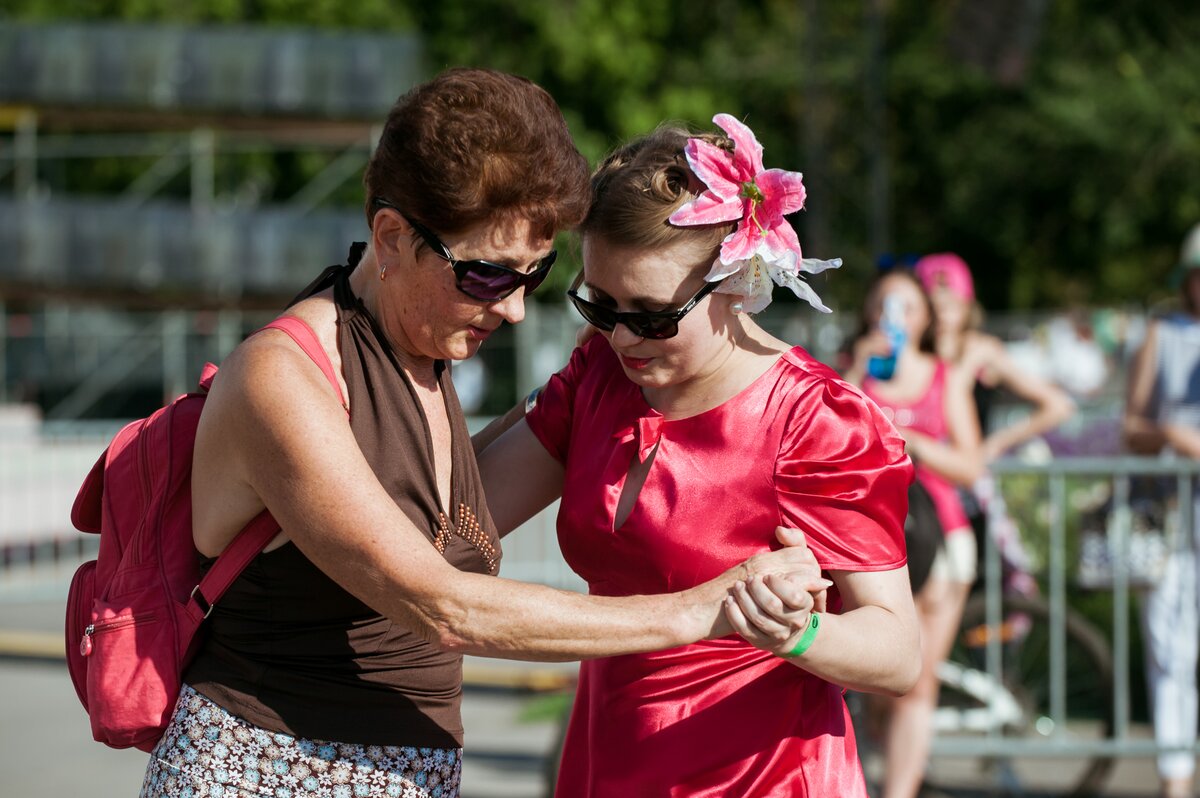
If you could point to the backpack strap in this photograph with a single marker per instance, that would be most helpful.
(259, 532)
(306, 339)
(231, 562)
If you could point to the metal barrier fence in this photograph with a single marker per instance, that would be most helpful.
(1070, 485)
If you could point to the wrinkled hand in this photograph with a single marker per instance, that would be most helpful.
(772, 612)
(771, 607)
(794, 561)
(795, 558)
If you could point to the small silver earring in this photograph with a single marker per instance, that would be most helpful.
(383, 272)
(736, 307)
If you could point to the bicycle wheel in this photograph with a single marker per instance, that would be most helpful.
(973, 703)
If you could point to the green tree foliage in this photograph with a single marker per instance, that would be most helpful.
(1056, 145)
(1077, 183)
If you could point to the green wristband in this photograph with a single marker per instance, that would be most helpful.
(806, 639)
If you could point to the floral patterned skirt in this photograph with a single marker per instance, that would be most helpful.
(208, 753)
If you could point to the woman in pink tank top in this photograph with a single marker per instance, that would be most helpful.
(930, 404)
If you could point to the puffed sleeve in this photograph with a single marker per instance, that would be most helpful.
(550, 419)
(842, 478)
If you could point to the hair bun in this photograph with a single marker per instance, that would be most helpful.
(671, 182)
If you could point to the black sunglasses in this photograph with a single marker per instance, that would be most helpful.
(480, 279)
(658, 324)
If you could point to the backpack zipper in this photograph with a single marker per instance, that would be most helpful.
(85, 644)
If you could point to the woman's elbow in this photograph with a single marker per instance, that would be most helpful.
(901, 678)
(1063, 409)
(450, 640)
(907, 665)
(439, 622)
(970, 470)
(906, 676)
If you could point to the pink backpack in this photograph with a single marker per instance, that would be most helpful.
(134, 613)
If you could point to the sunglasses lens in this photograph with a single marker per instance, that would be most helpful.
(653, 328)
(593, 314)
(640, 325)
(490, 282)
(539, 275)
(486, 281)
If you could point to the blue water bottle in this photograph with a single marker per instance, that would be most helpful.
(891, 322)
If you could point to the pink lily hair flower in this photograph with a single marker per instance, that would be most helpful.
(764, 249)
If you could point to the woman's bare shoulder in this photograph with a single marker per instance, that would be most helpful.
(981, 345)
(269, 376)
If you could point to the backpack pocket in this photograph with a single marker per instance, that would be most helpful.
(132, 673)
(80, 598)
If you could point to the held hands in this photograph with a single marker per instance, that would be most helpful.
(794, 559)
(771, 610)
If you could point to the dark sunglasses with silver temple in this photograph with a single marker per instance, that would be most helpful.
(646, 324)
(479, 279)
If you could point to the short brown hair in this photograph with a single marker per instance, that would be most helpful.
(637, 187)
(474, 144)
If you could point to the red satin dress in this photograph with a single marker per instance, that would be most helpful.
(798, 447)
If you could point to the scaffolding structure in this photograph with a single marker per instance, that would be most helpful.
(203, 269)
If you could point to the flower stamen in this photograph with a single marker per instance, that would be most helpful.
(752, 192)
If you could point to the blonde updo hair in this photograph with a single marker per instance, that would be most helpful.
(639, 185)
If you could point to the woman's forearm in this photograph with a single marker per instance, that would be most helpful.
(489, 616)
(963, 467)
(1045, 418)
(497, 427)
(1183, 439)
(869, 649)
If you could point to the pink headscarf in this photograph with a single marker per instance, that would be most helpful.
(946, 270)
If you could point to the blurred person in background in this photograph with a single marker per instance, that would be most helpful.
(984, 358)
(333, 665)
(1162, 416)
(673, 436)
(929, 401)
(960, 342)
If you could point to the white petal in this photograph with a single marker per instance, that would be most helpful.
(815, 266)
(753, 282)
(758, 301)
(720, 269)
(805, 291)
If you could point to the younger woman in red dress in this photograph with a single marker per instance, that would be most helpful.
(675, 438)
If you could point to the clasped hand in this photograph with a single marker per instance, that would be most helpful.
(771, 610)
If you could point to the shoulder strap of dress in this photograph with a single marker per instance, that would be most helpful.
(939, 370)
(306, 339)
